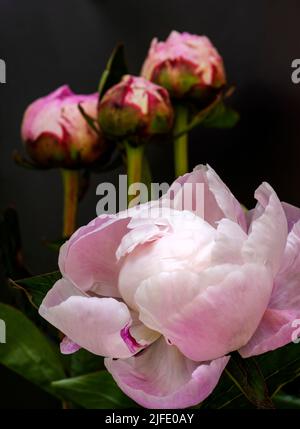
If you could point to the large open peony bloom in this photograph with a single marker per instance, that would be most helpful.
(165, 294)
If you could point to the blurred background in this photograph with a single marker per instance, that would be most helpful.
(50, 43)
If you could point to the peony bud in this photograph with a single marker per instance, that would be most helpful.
(186, 65)
(56, 134)
(135, 109)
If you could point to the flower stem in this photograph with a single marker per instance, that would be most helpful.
(147, 176)
(71, 189)
(181, 143)
(134, 165)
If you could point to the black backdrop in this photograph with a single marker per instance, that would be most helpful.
(48, 43)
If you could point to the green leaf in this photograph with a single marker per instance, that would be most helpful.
(93, 391)
(21, 161)
(27, 351)
(221, 116)
(199, 117)
(54, 245)
(92, 122)
(84, 362)
(278, 367)
(286, 401)
(216, 115)
(247, 376)
(115, 69)
(224, 395)
(37, 287)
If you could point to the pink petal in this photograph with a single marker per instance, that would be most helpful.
(218, 200)
(206, 315)
(225, 199)
(93, 323)
(138, 336)
(149, 224)
(88, 259)
(292, 214)
(154, 222)
(185, 47)
(161, 377)
(43, 115)
(268, 230)
(229, 241)
(68, 347)
(291, 259)
(185, 243)
(57, 113)
(275, 330)
(278, 324)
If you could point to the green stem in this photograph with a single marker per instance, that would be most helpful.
(147, 176)
(134, 165)
(71, 189)
(181, 143)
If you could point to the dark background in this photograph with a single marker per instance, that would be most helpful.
(49, 43)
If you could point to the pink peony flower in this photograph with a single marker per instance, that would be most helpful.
(135, 107)
(56, 134)
(166, 294)
(185, 64)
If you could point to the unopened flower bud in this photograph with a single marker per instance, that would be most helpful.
(56, 134)
(186, 65)
(135, 109)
